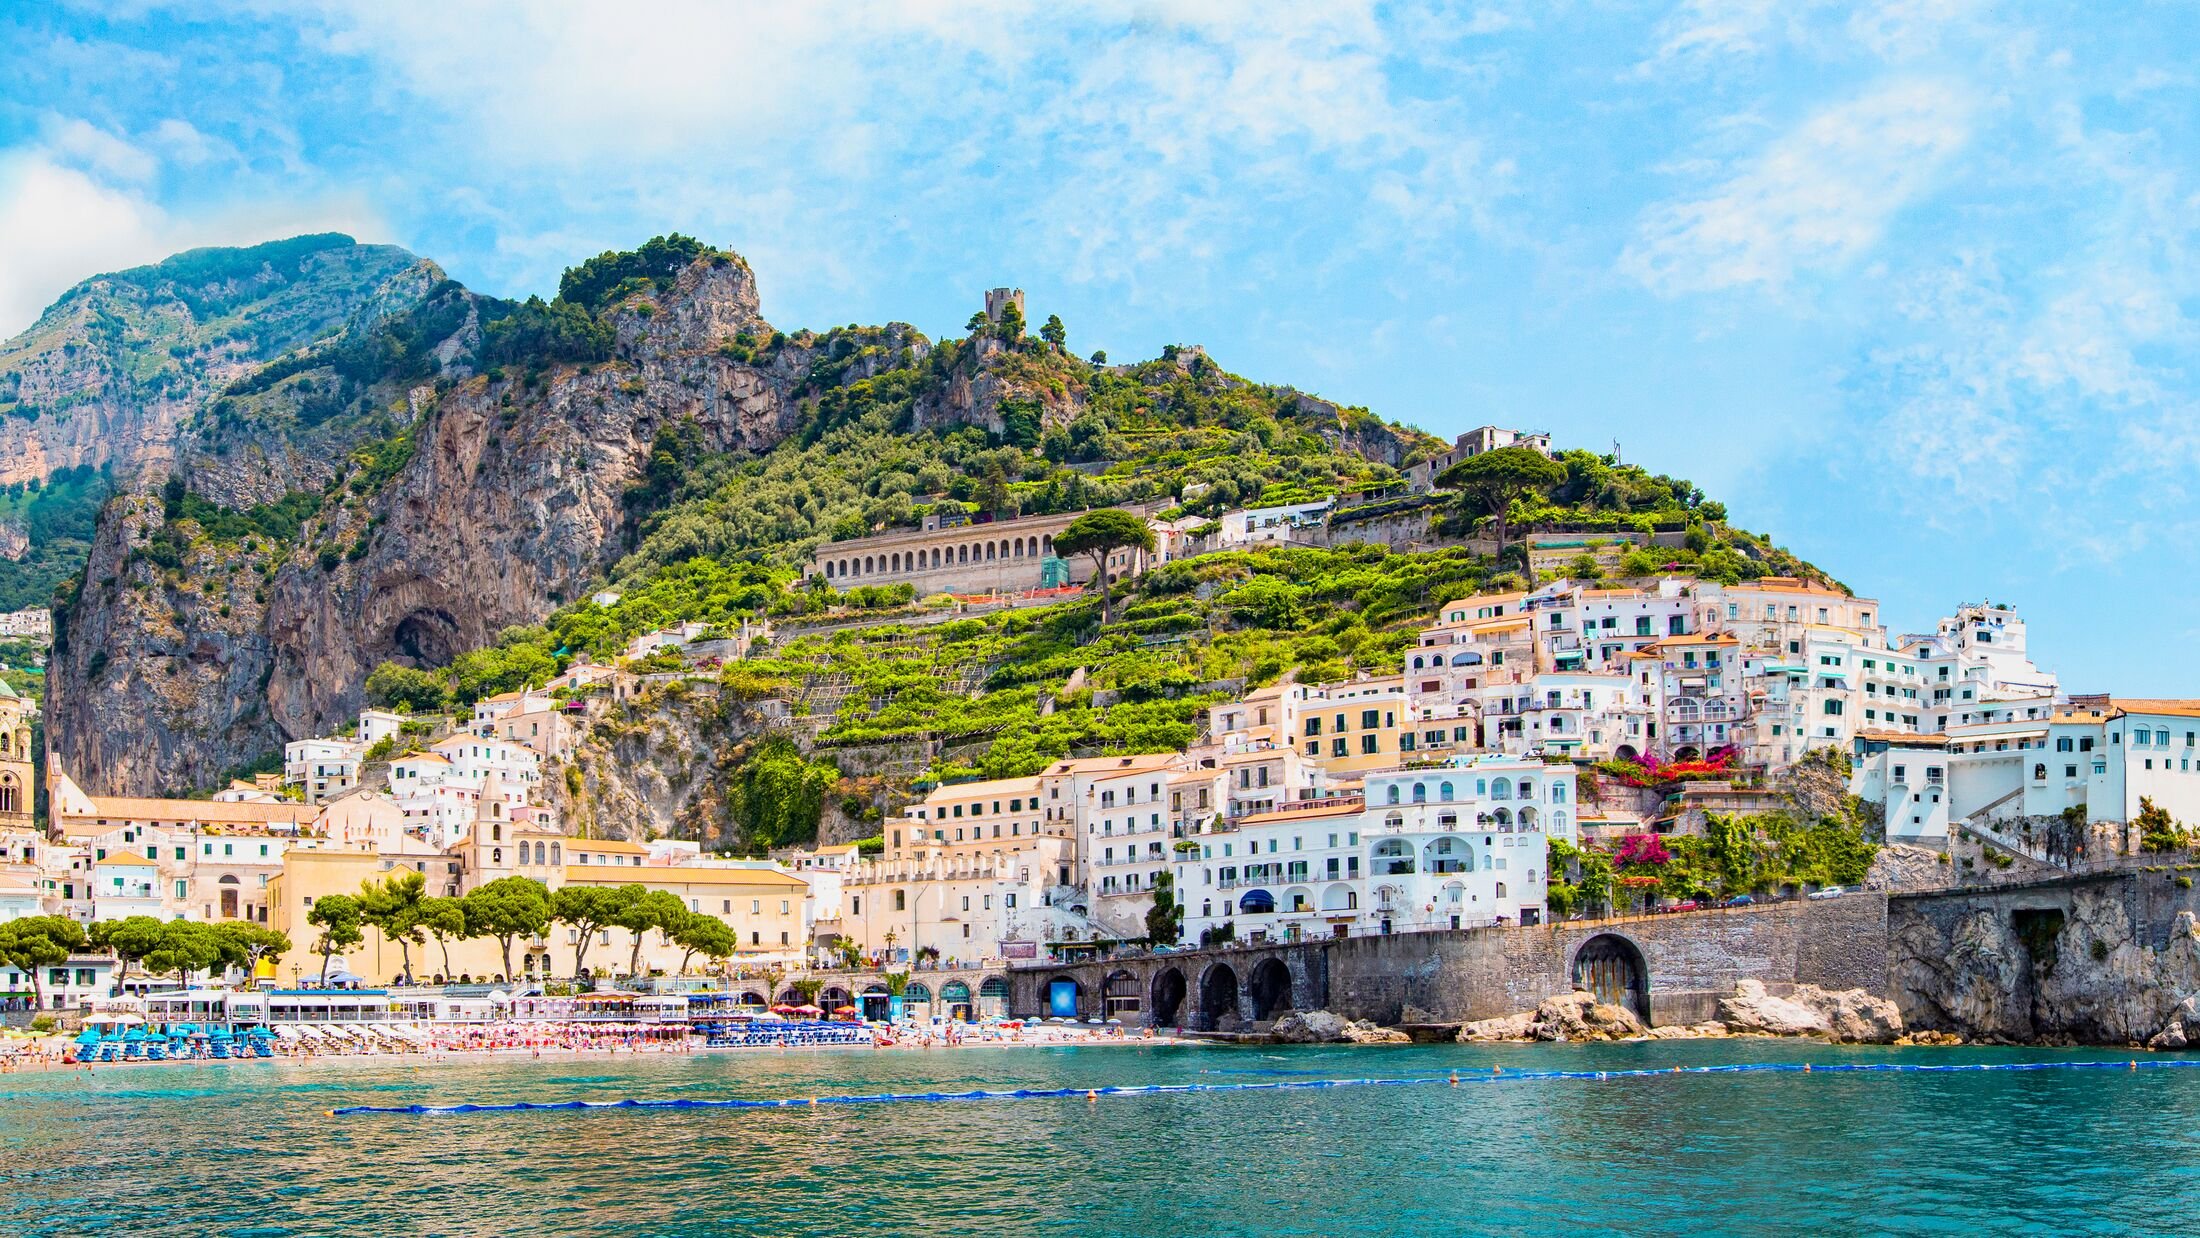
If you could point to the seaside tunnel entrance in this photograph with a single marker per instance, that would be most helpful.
(1218, 994)
(1168, 997)
(1611, 967)
(1271, 989)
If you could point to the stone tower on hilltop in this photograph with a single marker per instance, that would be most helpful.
(16, 786)
(997, 301)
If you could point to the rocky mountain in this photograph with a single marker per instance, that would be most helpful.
(99, 390)
(439, 481)
(218, 619)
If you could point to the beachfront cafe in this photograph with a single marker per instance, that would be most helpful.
(272, 1007)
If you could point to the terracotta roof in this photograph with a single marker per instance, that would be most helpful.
(679, 874)
(2146, 705)
(1904, 738)
(1086, 765)
(209, 812)
(616, 845)
(996, 786)
(1302, 814)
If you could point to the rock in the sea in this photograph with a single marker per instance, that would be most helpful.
(1855, 1016)
(1511, 1027)
(2170, 1037)
(1321, 1027)
(1572, 1016)
(1314, 1027)
(1851, 1015)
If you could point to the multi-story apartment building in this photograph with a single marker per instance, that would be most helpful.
(1434, 844)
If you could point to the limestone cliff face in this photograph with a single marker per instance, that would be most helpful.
(2081, 972)
(110, 372)
(510, 500)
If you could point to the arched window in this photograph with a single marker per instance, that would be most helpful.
(496, 856)
(1443, 792)
(2039, 773)
(1501, 789)
(1558, 823)
(557, 853)
(1527, 789)
(1558, 793)
(496, 833)
(1420, 793)
(1500, 889)
(1393, 795)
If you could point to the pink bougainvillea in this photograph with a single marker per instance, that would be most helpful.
(1650, 772)
(1642, 850)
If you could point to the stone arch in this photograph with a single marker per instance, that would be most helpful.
(1218, 994)
(750, 997)
(1270, 988)
(1687, 752)
(1168, 997)
(1612, 967)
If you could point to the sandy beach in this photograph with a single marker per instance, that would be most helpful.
(49, 1053)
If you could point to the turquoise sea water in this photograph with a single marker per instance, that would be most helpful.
(249, 1148)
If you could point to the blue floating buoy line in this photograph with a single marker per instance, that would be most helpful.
(1454, 1078)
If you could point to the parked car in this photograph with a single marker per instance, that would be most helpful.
(1739, 900)
(1829, 892)
(1686, 904)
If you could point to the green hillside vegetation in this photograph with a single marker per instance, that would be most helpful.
(58, 515)
(721, 538)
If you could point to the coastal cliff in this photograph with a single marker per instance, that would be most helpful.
(2108, 960)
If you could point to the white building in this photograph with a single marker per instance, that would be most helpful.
(323, 768)
(1457, 843)
(438, 789)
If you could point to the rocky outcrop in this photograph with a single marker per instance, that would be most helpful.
(511, 499)
(111, 372)
(1572, 1016)
(1849, 1016)
(1897, 867)
(1324, 1028)
(2082, 975)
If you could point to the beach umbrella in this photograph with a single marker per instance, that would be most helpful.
(844, 1010)
(89, 1036)
(806, 1008)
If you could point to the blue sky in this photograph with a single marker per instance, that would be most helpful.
(1913, 285)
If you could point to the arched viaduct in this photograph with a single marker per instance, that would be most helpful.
(1669, 968)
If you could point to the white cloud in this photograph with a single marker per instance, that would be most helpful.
(1111, 137)
(61, 223)
(1815, 198)
(85, 144)
(58, 225)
